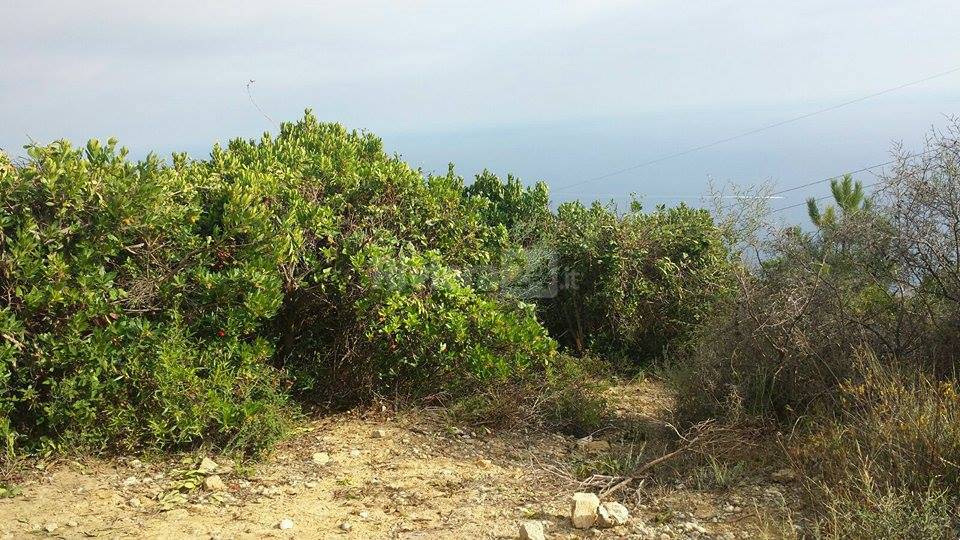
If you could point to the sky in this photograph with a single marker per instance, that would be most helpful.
(557, 91)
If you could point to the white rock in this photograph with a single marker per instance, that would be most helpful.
(214, 483)
(131, 481)
(583, 510)
(285, 524)
(50, 527)
(531, 530)
(354, 453)
(321, 458)
(346, 526)
(207, 465)
(135, 502)
(612, 514)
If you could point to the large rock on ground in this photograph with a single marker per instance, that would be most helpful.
(583, 510)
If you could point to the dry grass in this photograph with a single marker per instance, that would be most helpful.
(887, 465)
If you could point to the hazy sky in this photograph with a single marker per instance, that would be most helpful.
(559, 91)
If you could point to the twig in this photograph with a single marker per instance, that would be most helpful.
(255, 104)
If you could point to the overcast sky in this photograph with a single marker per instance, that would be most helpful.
(559, 91)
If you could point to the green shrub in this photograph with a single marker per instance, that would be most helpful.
(380, 297)
(627, 286)
(523, 211)
(131, 317)
(636, 285)
(159, 305)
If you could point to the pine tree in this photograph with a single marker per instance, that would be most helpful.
(849, 197)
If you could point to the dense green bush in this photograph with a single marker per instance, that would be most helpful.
(132, 313)
(381, 298)
(147, 304)
(523, 210)
(628, 286)
(634, 285)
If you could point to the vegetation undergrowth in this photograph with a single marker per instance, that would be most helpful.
(157, 306)
(845, 337)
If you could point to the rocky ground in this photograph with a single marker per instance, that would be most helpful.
(409, 475)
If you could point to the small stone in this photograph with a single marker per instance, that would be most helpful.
(773, 494)
(321, 458)
(379, 433)
(364, 514)
(583, 510)
(131, 481)
(135, 502)
(50, 527)
(136, 463)
(207, 465)
(311, 485)
(784, 476)
(346, 526)
(612, 514)
(72, 523)
(354, 453)
(214, 483)
(531, 530)
(285, 524)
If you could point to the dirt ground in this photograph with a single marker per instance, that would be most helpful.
(377, 475)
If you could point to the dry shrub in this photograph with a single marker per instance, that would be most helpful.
(848, 333)
(887, 464)
(568, 397)
(885, 278)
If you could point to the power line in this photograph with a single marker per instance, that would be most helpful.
(775, 194)
(817, 200)
(864, 169)
(837, 177)
(758, 130)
